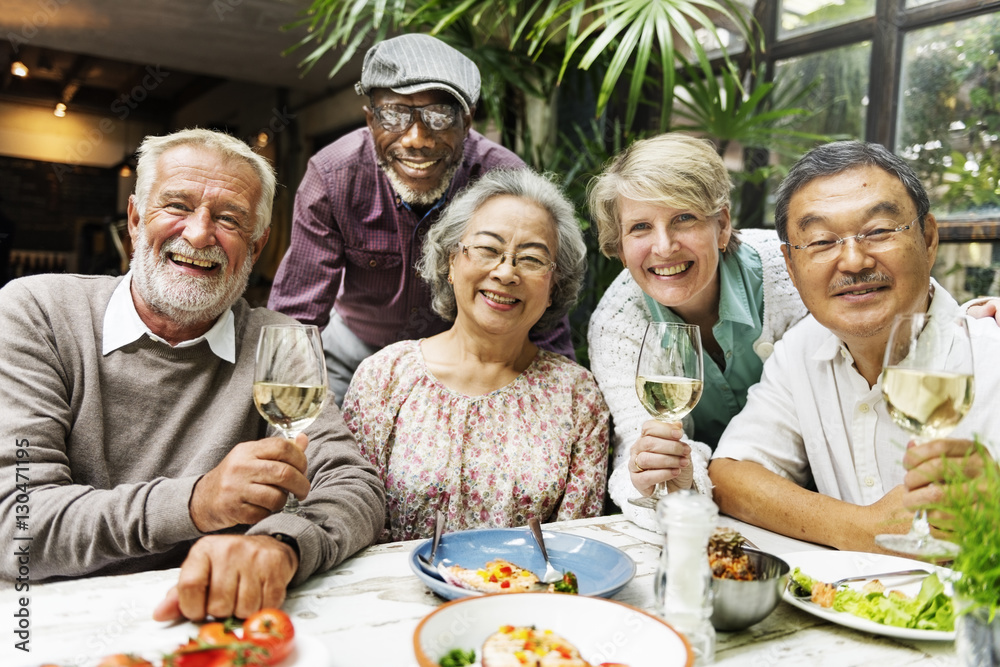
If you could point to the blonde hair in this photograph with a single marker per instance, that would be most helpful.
(674, 170)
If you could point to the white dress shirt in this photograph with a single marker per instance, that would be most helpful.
(814, 420)
(122, 325)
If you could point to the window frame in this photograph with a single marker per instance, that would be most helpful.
(886, 31)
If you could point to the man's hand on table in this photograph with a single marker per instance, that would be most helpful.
(888, 515)
(660, 456)
(230, 575)
(250, 483)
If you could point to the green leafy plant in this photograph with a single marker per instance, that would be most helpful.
(542, 39)
(973, 518)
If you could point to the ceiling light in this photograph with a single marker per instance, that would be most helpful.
(17, 68)
(125, 171)
(60, 110)
(262, 139)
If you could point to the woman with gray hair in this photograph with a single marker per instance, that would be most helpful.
(477, 421)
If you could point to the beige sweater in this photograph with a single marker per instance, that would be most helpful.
(115, 443)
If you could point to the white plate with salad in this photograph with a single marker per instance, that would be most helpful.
(829, 566)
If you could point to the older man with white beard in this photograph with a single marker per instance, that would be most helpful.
(127, 404)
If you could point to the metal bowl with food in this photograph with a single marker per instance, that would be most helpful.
(738, 604)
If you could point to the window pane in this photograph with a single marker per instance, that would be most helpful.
(802, 16)
(949, 115)
(968, 270)
(727, 37)
(832, 86)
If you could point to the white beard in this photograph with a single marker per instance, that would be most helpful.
(413, 197)
(186, 299)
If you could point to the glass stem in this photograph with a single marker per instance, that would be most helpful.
(920, 528)
(291, 503)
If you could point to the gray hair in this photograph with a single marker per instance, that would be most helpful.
(840, 156)
(225, 146)
(442, 240)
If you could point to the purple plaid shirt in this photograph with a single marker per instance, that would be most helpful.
(355, 243)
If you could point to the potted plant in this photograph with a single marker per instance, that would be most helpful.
(972, 512)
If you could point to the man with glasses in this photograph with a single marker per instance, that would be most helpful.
(367, 201)
(815, 454)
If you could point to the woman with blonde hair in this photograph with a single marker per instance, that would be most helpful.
(662, 207)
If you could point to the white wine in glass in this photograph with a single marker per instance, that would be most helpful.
(290, 385)
(927, 383)
(668, 378)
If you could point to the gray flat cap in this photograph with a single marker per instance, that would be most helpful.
(411, 64)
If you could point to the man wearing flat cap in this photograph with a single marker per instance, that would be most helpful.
(368, 199)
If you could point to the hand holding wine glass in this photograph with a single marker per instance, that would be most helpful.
(669, 378)
(290, 381)
(927, 383)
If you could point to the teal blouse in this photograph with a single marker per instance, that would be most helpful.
(741, 312)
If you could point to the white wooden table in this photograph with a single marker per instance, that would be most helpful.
(373, 601)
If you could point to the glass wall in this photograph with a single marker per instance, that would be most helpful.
(804, 16)
(949, 114)
(920, 76)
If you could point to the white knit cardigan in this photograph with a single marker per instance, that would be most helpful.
(616, 330)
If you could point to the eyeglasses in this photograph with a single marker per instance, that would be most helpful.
(489, 257)
(878, 235)
(399, 117)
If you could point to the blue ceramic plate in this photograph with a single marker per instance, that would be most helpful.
(601, 569)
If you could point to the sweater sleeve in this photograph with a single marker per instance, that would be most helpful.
(74, 529)
(615, 336)
(345, 509)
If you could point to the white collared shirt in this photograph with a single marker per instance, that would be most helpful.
(813, 417)
(122, 325)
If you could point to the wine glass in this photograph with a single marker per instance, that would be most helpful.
(927, 384)
(668, 378)
(289, 385)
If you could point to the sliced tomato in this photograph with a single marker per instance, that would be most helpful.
(124, 660)
(215, 634)
(187, 656)
(272, 630)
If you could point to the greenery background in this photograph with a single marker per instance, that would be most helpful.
(569, 83)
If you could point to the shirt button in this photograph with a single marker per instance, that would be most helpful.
(843, 353)
(413, 311)
(864, 408)
(372, 263)
(729, 354)
(421, 231)
(869, 481)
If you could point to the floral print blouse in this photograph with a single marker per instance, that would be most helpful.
(536, 447)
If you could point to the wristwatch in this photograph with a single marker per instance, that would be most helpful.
(289, 540)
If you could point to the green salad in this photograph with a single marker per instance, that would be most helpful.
(931, 609)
